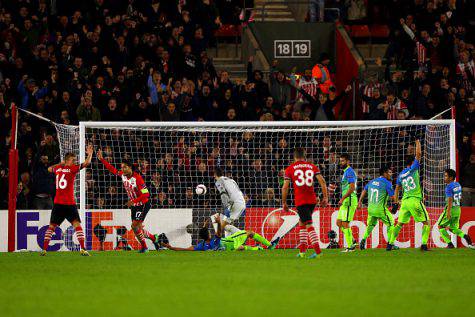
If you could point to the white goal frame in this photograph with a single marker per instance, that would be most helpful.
(253, 124)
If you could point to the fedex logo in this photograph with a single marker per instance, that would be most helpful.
(31, 232)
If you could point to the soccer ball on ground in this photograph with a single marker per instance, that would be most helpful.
(200, 189)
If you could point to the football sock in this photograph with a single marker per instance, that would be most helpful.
(368, 231)
(303, 236)
(48, 234)
(148, 235)
(80, 236)
(444, 234)
(389, 232)
(425, 234)
(396, 231)
(141, 238)
(261, 240)
(348, 237)
(313, 238)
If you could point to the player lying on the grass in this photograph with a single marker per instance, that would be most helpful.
(139, 202)
(232, 198)
(450, 218)
(301, 174)
(412, 204)
(348, 202)
(380, 190)
(235, 242)
(64, 202)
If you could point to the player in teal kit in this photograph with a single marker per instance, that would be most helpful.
(348, 202)
(450, 218)
(411, 205)
(379, 191)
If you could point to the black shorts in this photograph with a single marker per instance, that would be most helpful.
(305, 212)
(61, 212)
(139, 213)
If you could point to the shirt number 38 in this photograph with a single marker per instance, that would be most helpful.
(304, 178)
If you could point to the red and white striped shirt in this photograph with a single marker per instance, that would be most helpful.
(368, 91)
(421, 53)
(309, 86)
(395, 107)
(462, 69)
(134, 185)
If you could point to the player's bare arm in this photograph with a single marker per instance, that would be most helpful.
(170, 247)
(396, 194)
(285, 193)
(52, 167)
(323, 186)
(89, 152)
(450, 202)
(348, 193)
(418, 153)
(219, 223)
(99, 154)
(362, 196)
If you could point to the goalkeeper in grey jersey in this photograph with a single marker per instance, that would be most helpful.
(232, 198)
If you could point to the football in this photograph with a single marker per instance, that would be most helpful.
(200, 189)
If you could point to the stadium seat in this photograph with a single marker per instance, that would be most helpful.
(228, 31)
(360, 31)
(379, 31)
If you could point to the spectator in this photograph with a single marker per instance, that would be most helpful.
(87, 112)
(468, 182)
(279, 88)
(42, 185)
(269, 199)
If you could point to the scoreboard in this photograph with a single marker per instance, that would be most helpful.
(295, 44)
(292, 49)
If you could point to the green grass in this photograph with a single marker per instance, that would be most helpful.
(368, 283)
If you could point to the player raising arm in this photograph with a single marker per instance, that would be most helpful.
(348, 202)
(232, 198)
(412, 205)
(302, 174)
(138, 203)
(64, 202)
(380, 190)
(451, 216)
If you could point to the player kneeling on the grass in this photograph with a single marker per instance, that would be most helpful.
(412, 204)
(138, 203)
(302, 174)
(232, 198)
(451, 216)
(234, 242)
(348, 202)
(379, 189)
(64, 202)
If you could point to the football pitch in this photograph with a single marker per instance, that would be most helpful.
(263, 283)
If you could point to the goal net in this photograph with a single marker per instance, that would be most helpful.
(175, 157)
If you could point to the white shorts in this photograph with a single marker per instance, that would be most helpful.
(237, 209)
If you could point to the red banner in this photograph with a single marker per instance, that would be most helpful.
(273, 222)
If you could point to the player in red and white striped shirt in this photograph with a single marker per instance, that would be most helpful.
(64, 202)
(301, 174)
(138, 203)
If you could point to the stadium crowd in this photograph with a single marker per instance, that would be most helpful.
(147, 60)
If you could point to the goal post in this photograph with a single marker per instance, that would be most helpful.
(174, 157)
